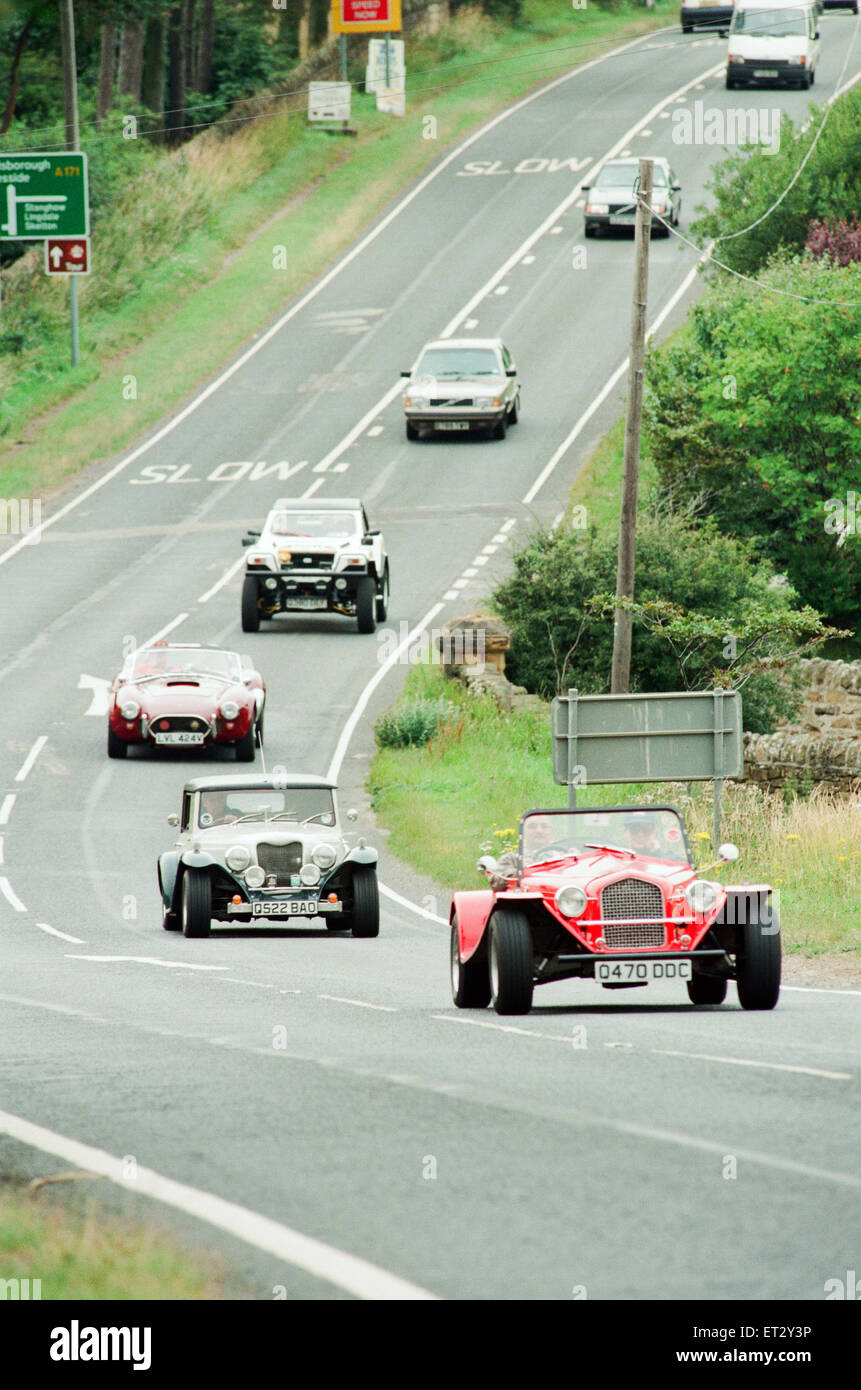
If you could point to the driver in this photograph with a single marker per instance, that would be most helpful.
(641, 832)
(214, 810)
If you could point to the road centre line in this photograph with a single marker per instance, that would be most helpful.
(64, 936)
(359, 1003)
(2, 852)
(352, 435)
(6, 809)
(505, 1028)
(163, 631)
(747, 1062)
(690, 1141)
(225, 579)
(147, 960)
(315, 289)
(31, 757)
(10, 895)
(349, 1272)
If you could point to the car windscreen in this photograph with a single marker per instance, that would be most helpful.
(167, 661)
(458, 362)
(329, 525)
(287, 805)
(620, 174)
(770, 24)
(546, 835)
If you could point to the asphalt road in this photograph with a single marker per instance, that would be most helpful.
(623, 1148)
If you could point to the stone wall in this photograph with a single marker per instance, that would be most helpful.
(824, 745)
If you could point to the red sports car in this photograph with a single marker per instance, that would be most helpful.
(186, 696)
(610, 894)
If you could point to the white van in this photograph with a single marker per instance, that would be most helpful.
(772, 42)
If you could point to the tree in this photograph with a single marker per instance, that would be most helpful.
(107, 69)
(841, 241)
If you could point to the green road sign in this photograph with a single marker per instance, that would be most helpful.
(43, 195)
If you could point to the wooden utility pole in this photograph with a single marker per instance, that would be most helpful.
(73, 139)
(621, 670)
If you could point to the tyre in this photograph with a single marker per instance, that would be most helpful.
(365, 603)
(117, 747)
(757, 963)
(510, 962)
(365, 920)
(412, 432)
(515, 411)
(470, 979)
(246, 746)
(806, 81)
(702, 989)
(382, 598)
(250, 611)
(170, 921)
(590, 229)
(500, 429)
(730, 83)
(196, 903)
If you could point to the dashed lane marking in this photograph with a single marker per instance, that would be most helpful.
(63, 935)
(31, 757)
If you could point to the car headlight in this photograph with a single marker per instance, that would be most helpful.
(659, 207)
(701, 895)
(230, 710)
(261, 561)
(309, 874)
(571, 901)
(324, 856)
(416, 403)
(237, 858)
(598, 207)
(254, 876)
(486, 402)
(130, 709)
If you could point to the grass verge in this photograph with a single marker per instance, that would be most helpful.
(76, 1251)
(463, 793)
(186, 263)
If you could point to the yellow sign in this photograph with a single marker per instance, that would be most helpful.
(366, 16)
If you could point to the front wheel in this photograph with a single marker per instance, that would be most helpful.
(365, 603)
(412, 432)
(196, 903)
(366, 902)
(500, 429)
(250, 610)
(245, 746)
(470, 979)
(117, 747)
(757, 965)
(511, 981)
(382, 610)
(703, 989)
(170, 921)
(515, 411)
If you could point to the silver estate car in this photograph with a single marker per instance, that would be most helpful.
(611, 200)
(462, 385)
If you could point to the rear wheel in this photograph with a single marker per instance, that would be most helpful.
(250, 611)
(117, 747)
(510, 962)
(757, 965)
(365, 603)
(382, 601)
(245, 746)
(366, 902)
(196, 903)
(470, 979)
(702, 989)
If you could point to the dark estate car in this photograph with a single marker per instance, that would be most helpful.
(610, 894)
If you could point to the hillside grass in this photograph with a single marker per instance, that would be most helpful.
(463, 793)
(183, 270)
(79, 1252)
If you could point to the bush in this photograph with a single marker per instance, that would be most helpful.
(841, 241)
(411, 724)
(559, 639)
(756, 412)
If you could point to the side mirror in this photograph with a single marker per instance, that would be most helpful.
(584, 187)
(728, 852)
(351, 815)
(173, 819)
(406, 373)
(248, 540)
(816, 35)
(511, 371)
(675, 187)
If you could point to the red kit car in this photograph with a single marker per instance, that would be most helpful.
(186, 696)
(610, 894)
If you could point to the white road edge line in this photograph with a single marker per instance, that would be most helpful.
(63, 935)
(349, 1272)
(505, 1028)
(6, 808)
(31, 757)
(315, 289)
(10, 895)
(405, 902)
(819, 989)
(748, 1062)
(359, 1003)
(147, 960)
(690, 1141)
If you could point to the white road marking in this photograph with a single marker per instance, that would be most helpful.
(507, 525)
(148, 960)
(460, 584)
(481, 559)
(168, 627)
(234, 980)
(6, 808)
(2, 852)
(471, 323)
(504, 1028)
(10, 895)
(527, 260)
(31, 757)
(554, 231)
(312, 293)
(747, 1062)
(362, 702)
(819, 989)
(501, 289)
(644, 134)
(352, 435)
(470, 573)
(340, 467)
(374, 431)
(225, 579)
(349, 1272)
(449, 595)
(309, 492)
(413, 907)
(63, 935)
(690, 1141)
(359, 1003)
(99, 698)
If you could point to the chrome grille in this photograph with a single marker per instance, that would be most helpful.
(300, 561)
(445, 400)
(625, 936)
(280, 860)
(631, 897)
